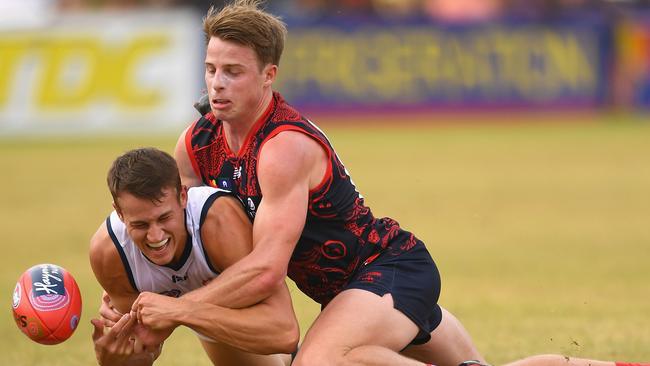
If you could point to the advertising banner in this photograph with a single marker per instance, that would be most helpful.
(425, 65)
(135, 71)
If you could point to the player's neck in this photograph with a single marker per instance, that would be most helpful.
(238, 130)
(180, 249)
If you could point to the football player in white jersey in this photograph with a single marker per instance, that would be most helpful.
(163, 238)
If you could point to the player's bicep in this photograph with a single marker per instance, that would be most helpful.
(281, 218)
(284, 172)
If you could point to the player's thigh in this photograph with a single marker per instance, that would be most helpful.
(356, 318)
(450, 344)
(222, 354)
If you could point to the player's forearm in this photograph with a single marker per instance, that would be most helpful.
(243, 284)
(261, 329)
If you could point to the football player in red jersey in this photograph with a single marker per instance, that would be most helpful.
(377, 283)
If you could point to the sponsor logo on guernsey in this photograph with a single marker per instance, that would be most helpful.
(17, 295)
(236, 174)
(177, 279)
(48, 290)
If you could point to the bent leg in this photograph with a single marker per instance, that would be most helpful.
(358, 328)
(450, 344)
(222, 354)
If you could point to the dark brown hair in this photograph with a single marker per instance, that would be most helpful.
(144, 173)
(243, 22)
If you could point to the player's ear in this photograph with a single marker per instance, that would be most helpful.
(183, 196)
(117, 209)
(270, 72)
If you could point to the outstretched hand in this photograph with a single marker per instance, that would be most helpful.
(107, 312)
(121, 343)
(117, 345)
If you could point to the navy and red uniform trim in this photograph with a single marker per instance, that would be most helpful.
(340, 232)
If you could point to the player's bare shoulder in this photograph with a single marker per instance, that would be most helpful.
(291, 156)
(102, 252)
(181, 155)
(106, 263)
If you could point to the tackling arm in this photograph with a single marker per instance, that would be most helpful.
(267, 327)
(290, 163)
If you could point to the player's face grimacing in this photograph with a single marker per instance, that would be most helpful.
(157, 228)
(234, 80)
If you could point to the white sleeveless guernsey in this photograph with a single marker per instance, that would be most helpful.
(192, 271)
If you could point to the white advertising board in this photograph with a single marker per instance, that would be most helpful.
(97, 72)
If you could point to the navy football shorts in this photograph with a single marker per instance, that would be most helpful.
(412, 279)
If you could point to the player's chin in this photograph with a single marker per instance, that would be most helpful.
(161, 255)
(220, 114)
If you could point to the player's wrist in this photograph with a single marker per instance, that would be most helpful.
(186, 313)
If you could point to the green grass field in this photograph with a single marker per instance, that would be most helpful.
(541, 230)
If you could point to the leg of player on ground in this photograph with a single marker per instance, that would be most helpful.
(450, 344)
(559, 360)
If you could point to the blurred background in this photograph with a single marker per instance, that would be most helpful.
(72, 65)
(512, 136)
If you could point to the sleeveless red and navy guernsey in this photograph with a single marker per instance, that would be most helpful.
(340, 232)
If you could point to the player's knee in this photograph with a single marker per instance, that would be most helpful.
(308, 356)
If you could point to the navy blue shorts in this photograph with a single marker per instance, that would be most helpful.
(412, 279)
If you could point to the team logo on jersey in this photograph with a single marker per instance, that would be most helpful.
(48, 291)
(236, 174)
(251, 206)
(225, 183)
(176, 279)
